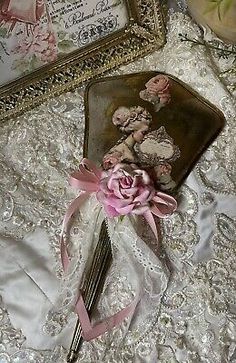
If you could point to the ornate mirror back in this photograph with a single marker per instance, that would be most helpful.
(177, 126)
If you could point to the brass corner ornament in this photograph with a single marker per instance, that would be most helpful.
(142, 33)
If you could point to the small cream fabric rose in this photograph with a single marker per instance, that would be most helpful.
(132, 119)
(121, 117)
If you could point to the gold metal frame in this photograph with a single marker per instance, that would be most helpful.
(144, 33)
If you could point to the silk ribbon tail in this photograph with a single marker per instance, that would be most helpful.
(151, 221)
(90, 332)
(73, 207)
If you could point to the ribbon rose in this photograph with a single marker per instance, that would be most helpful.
(124, 190)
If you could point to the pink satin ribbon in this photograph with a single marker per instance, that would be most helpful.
(90, 331)
(87, 180)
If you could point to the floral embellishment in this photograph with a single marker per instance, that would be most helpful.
(40, 43)
(125, 189)
(132, 119)
(157, 85)
(157, 91)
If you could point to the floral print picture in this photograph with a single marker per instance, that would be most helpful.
(34, 33)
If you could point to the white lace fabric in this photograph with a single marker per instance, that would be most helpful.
(187, 312)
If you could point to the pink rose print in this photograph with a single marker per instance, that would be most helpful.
(40, 43)
(158, 85)
(157, 91)
(125, 189)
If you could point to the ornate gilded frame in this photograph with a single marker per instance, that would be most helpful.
(144, 33)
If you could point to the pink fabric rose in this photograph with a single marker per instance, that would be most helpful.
(111, 159)
(157, 91)
(158, 85)
(125, 189)
(122, 190)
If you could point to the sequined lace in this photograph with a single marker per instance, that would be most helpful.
(196, 319)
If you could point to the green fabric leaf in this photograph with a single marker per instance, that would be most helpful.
(121, 218)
